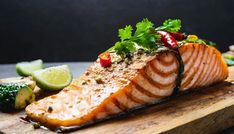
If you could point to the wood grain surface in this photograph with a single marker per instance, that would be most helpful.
(204, 111)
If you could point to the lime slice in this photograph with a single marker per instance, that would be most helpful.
(26, 68)
(53, 78)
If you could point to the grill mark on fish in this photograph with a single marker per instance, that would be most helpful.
(216, 73)
(206, 69)
(159, 72)
(203, 68)
(129, 95)
(144, 83)
(144, 91)
(198, 72)
(124, 100)
(197, 59)
(161, 59)
(112, 108)
(209, 70)
(185, 61)
(118, 104)
(160, 79)
(188, 65)
(139, 95)
(211, 74)
(155, 83)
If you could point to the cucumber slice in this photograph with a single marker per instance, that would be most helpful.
(26, 80)
(15, 96)
(26, 68)
(24, 97)
(53, 78)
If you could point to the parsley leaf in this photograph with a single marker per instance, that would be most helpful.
(211, 43)
(143, 26)
(119, 48)
(125, 33)
(144, 37)
(170, 25)
(148, 40)
(125, 47)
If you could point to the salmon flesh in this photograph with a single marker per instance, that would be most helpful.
(103, 92)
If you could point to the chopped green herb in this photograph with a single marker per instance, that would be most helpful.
(209, 42)
(170, 25)
(125, 33)
(146, 37)
(143, 26)
(124, 47)
(99, 80)
(50, 109)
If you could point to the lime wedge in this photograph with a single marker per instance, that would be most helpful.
(53, 78)
(26, 68)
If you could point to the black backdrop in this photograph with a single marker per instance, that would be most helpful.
(78, 30)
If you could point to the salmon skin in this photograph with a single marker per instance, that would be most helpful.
(101, 93)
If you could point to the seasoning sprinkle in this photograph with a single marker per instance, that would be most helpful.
(50, 109)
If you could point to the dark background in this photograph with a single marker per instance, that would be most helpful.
(78, 30)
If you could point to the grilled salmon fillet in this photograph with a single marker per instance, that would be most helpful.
(102, 92)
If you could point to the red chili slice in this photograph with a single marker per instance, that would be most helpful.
(167, 39)
(105, 59)
(178, 36)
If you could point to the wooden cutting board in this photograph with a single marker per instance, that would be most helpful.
(209, 110)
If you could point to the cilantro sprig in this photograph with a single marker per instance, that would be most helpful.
(125, 33)
(144, 37)
(170, 25)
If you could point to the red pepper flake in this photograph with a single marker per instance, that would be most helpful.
(105, 59)
(167, 39)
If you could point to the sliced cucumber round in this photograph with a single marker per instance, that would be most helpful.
(15, 96)
(26, 80)
(53, 78)
(26, 68)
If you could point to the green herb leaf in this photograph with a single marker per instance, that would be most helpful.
(125, 33)
(170, 25)
(130, 46)
(143, 26)
(200, 41)
(125, 47)
(148, 41)
(142, 38)
(211, 43)
(119, 48)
